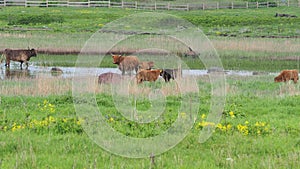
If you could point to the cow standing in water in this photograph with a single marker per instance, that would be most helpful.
(126, 64)
(19, 55)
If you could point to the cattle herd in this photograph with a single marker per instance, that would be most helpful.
(144, 70)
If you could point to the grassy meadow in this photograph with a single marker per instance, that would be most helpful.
(259, 126)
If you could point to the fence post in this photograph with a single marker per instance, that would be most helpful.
(155, 5)
(136, 5)
(168, 6)
(288, 3)
(122, 4)
(108, 4)
(267, 4)
(47, 4)
(256, 4)
(4, 2)
(231, 5)
(247, 5)
(187, 7)
(203, 6)
(217, 5)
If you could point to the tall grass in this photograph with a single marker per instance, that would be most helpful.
(44, 85)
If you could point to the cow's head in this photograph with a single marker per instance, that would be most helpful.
(116, 59)
(278, 79)
(161, 72)
(33, 53)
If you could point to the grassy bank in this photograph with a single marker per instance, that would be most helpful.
(258, 129)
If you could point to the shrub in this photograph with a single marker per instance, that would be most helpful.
(33, 19)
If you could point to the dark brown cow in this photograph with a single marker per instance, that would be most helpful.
(19, 55)
(169, 74)
(287, 75)
(147, 75)
(109, 78)
(146, 65)
(126, 64)
(55, 71)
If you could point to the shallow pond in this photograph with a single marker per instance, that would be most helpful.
(68, 72)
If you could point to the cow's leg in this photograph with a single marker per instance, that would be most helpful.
(21, 65)
(26, 65)
(7, 63)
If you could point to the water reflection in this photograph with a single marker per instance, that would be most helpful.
(17, 74)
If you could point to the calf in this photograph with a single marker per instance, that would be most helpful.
(147, 75)
(287, 75)
(19, 55)
(168, 74)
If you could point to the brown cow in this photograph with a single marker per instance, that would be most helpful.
(109, 78)
(287, 75)
(147, 75)
(146, 65)
(128, 63)
(19, 55)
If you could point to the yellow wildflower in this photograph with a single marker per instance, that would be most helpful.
(243, 129)
(183, 115)
(231, 113)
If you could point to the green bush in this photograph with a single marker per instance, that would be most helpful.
(33, 19)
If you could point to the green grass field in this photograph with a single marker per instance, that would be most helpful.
(259, 128)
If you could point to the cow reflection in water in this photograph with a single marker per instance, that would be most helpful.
(17, 74)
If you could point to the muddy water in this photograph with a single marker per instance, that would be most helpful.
(68, 72)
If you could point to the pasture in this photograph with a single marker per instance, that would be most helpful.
(259, 125)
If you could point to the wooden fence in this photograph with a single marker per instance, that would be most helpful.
(148, 6)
